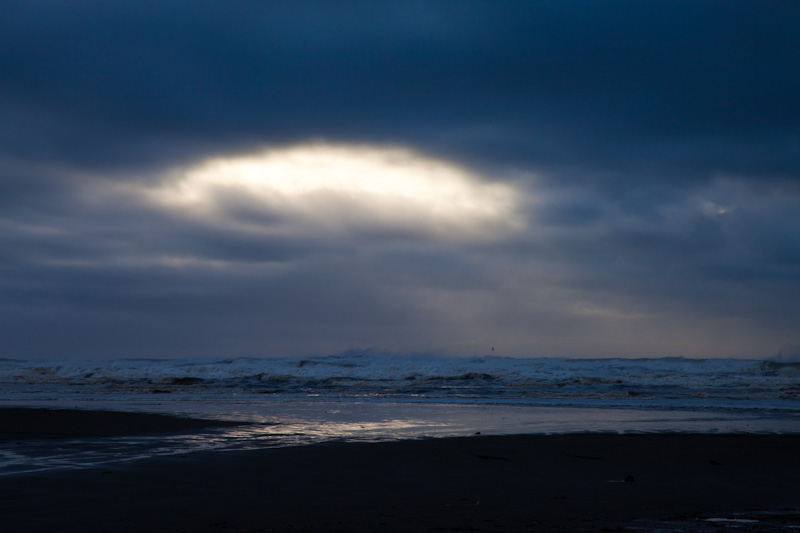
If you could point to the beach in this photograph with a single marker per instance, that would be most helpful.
(47, 424)
(571, 482)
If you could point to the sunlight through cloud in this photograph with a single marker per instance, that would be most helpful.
(344, 189)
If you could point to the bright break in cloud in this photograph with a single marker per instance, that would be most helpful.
(342, 189)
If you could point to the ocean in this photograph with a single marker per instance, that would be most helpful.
(359, 396)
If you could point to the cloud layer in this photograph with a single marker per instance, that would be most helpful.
(278, 178)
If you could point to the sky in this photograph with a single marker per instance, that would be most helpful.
(519, 178)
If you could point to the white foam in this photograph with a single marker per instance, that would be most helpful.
(664, 382)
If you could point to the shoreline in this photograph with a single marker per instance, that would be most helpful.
(565, 482)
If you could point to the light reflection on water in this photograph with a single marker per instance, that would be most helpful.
(302, 423)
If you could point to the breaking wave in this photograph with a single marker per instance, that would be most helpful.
(423, 378)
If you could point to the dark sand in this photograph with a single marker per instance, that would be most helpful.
(478, 483)
(31, 423)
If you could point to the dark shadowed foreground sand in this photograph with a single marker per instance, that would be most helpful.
(677, 482)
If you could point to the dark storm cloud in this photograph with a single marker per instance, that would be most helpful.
(615, 82)
(654, 147)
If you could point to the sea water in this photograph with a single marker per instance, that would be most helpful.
(372, 397)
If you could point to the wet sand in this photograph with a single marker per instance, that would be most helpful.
(476, 483)
(32, 423)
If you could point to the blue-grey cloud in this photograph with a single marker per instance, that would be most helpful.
(651, 149)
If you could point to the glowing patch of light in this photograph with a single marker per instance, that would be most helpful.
(324, 187)
(712, 210)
